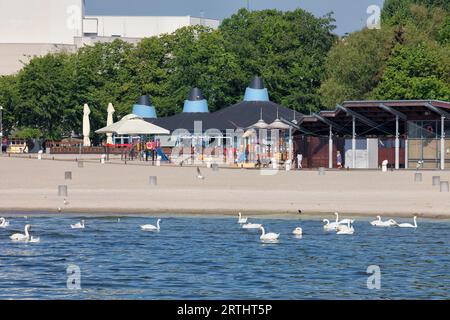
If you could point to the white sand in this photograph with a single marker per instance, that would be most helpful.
(30, 185)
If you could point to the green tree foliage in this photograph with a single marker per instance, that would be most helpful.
(360, 66)
(304, 65)
(415, 73)
(45, 87)
(8, 100)
(286, 49)
(354, 65)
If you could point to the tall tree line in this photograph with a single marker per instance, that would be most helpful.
(305, 67)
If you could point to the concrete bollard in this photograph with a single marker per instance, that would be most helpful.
(153, 180)
(68, 175)
(80, 164)
(321, 171)
(418, 177)
(444, 186)
(215, 167)
(103, 159)
(384, 165)
(62, 191)
(40, 154)
(436, 180)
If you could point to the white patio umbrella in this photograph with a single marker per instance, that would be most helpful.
(132, 124)
(86, 126)
(109, 122)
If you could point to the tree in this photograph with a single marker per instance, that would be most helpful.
(285, 48)
(45, 86)
(101, 75)
(9, 97)
(354, 65)
(199, 58)
(417, 72)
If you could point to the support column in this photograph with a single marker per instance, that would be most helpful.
(397, 145)
(442, 143)
(291, 156)
(330, 149)
(406, 153)
(354, 143)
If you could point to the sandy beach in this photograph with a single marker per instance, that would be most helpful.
(31, 185)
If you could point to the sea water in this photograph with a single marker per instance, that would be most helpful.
(200, 257)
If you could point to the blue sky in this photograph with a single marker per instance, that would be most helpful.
(350, 15)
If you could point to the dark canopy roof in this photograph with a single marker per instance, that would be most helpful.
(380, 113)
(240, 115)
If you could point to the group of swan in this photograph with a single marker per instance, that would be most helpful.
(271, 236)
(345, 226)
(393, 223)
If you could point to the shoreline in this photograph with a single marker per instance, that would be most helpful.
(206, 213)
(31, 186)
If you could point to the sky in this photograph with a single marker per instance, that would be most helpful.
(350, 15)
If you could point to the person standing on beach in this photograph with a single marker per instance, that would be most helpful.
(299, 160)
(339, 160)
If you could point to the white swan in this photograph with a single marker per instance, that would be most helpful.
(345, 229)
(3, 223)
(24, 237)
(251, 226)
(343, 221)
(408, 225)
(298, 231)
(268, 236)
(78, 225)
(329, 226)
(380, 223)
(150, 227)
(242, 220)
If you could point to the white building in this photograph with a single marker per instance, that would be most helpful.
(35, 27)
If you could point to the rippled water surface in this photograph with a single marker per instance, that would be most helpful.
(213, 258)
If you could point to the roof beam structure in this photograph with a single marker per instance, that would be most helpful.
(363, 119)
(437, 110)
(330, 123)
(296, 126)
(391, 110)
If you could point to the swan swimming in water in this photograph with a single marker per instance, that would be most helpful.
(251, 226)
(268, 236)
(24, 237)
(380, 223)
(3, 223)
(408, 225)
(242, 220)
(343, 221)
(345, 229)
(150, 227)
(78, 225)
(329, 226)
(298, 231)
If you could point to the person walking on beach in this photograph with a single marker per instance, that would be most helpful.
(299, 160)
(339, 160)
